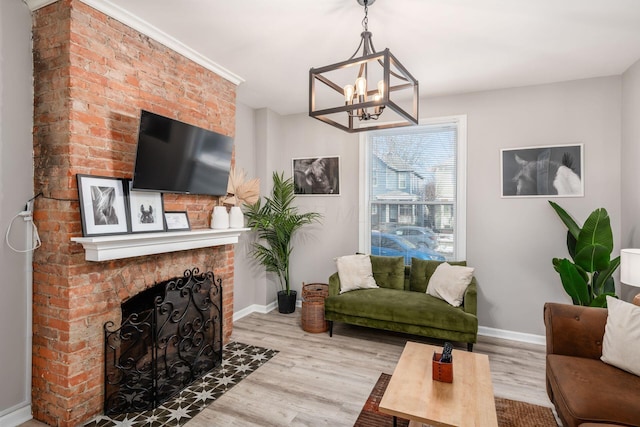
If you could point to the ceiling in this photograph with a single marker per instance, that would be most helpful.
(450, 46)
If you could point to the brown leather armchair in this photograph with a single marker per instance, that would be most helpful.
(582, 387)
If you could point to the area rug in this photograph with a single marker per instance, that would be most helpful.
(238, 361)
(511, 413)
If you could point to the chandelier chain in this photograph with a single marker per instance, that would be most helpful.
(365, 20)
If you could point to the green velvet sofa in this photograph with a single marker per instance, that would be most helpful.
(401, 303)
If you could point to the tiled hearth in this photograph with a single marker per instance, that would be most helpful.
(238, 361)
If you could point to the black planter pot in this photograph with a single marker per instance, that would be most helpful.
(286, 303)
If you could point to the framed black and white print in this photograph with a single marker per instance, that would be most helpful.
(146, 210)
(177, 221)
(102, 205)
(317, 175)
(545, 171)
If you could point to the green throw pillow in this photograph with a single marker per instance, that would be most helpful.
(422, 270)
(388, 271)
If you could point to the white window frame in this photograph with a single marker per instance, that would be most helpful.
(364, 214)
(402, 180)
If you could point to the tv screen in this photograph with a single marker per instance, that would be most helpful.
(175, 157)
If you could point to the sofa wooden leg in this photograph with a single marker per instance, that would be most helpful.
(330, 328)
(470, 347)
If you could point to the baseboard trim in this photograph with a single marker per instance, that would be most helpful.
(17, 416)
(254, 308)
(512, 335)
(482, 330)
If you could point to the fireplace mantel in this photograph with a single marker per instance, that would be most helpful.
(106, 248)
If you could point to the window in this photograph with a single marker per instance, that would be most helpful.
(420, 213)
(402, 180)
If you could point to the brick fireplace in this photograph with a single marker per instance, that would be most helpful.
(93, 75)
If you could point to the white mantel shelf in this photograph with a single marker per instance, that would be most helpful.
(106, 248)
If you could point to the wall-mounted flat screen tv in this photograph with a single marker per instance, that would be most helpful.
(175, 157)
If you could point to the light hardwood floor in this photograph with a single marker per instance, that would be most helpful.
(320, 381)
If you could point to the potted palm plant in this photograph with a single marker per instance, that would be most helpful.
(276, 221)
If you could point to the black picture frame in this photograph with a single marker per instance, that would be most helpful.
(103, 208)
(146, 210)
(316, 176)
(542, 171)
(177, 221)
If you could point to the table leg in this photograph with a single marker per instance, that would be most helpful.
(395, 421)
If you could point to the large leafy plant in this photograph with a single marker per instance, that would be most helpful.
(276, 221)
(588, 277)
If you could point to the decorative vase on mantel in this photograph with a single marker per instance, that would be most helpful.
(219, 218)
(241, 191)
(236, 217)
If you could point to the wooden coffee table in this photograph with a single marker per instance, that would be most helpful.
(413, 394)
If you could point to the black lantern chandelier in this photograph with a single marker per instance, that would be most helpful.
(343, 95)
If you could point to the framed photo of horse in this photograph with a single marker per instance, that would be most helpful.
(544, 171)
(146, 209)
(317, 176)
(103, 208)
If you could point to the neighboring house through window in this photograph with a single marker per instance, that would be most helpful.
(420, 211)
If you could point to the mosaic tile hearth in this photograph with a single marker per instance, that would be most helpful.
(238, 361)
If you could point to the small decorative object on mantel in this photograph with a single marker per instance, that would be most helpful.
(240, 191)
(219, 218)
(443, 364)
(177, 221)
(236, 217)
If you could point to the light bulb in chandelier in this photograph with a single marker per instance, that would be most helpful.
(348, 94)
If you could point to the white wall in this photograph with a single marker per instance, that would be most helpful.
(16, 187)
(277, 140)
(510, 241)
(258, 133)
(315, 246)
(629, 165)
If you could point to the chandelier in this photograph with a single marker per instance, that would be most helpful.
(343, 95)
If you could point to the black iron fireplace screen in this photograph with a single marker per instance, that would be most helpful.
(171, 335)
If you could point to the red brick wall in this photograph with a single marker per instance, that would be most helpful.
(93, 75)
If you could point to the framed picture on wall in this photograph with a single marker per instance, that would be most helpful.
(545, 171)
(317, 175)
(146, 209)
(103, 208)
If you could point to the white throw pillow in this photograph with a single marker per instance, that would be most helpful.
(621, 343)
(449, 282)
(355, 273)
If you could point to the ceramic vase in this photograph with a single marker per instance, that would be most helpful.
(219, 218)
(236, 217)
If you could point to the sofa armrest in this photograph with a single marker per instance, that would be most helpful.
(334, 284)
(470, 302)
(574, 330)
